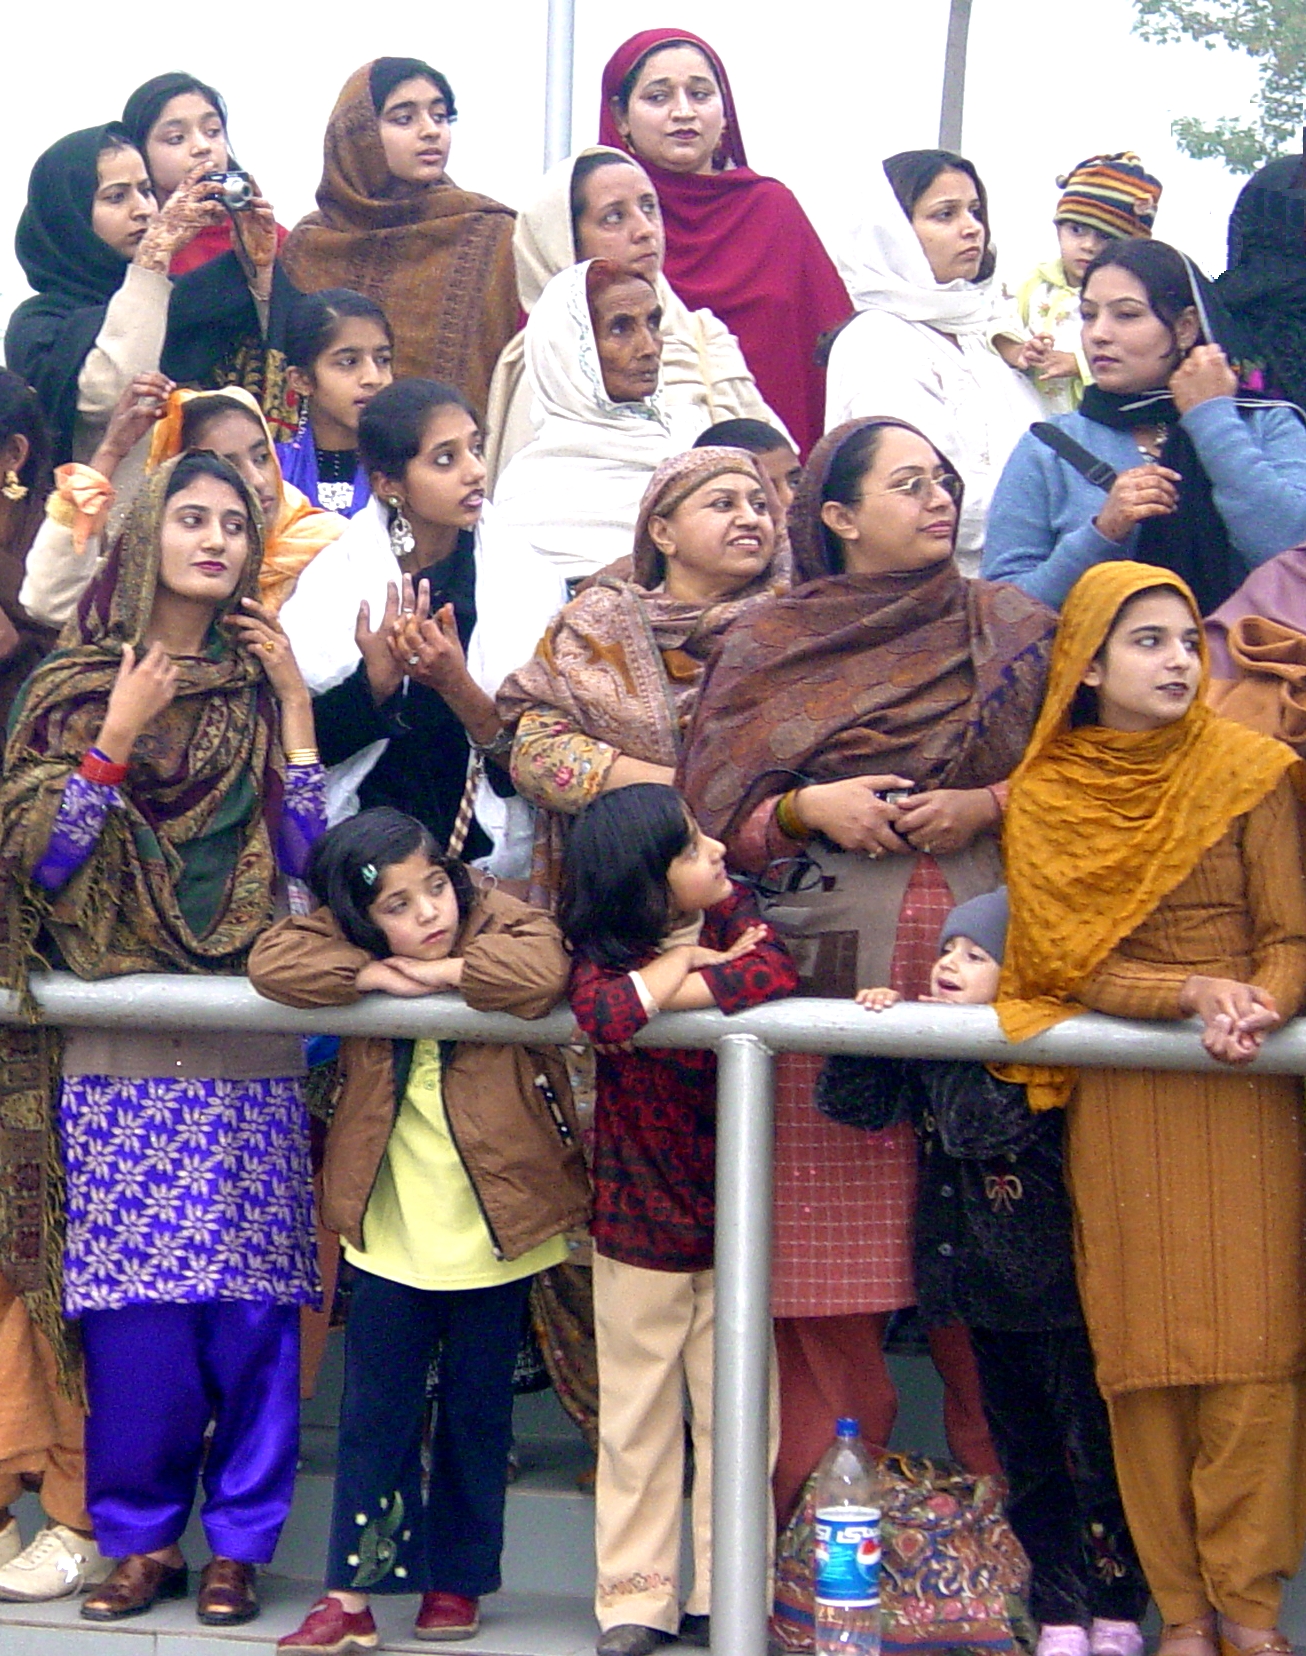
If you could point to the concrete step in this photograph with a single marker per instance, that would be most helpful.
(514, 1624)
(548, 1565)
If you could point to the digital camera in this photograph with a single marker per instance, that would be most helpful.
(237, 189)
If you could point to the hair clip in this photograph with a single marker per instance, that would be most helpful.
(368, 871)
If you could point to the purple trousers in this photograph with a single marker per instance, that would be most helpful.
(156, 1375)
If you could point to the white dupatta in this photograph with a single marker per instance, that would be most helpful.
(574, 490)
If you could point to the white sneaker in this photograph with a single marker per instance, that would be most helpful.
(11, 1542)
(56, 1564)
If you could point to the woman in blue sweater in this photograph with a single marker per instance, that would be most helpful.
(1197, 479)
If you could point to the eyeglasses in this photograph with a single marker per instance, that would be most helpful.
(921, 488)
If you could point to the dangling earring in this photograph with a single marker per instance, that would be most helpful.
(402, 541)
(13, 489)
(301, 402)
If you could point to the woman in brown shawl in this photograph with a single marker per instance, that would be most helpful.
(605, 702)
(160, 766)
(390, 224)
(851, 739)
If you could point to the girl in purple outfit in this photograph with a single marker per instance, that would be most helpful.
(339, 354)
(160, 772)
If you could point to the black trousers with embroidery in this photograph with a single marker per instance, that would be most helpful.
(384, 1537)
(1053, 1437)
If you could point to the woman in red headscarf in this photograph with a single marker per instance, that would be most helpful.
(738, 244)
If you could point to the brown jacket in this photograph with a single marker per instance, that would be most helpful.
(509, 1107)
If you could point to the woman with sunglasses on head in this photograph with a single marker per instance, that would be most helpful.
(850, 745)
(920, 271)
(1192, 475)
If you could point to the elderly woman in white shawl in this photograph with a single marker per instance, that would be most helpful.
(593, 364)
(920, 272)
(405, 628)
(601, 204)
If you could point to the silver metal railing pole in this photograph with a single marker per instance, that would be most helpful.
(741, 1507)
(560, 53)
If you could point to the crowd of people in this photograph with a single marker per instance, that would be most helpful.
(626, 601)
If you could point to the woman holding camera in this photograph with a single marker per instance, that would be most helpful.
(179, 123)
(850, 745)
(97, 250)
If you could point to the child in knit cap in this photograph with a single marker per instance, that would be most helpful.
(993, 1250)
(1105, 198)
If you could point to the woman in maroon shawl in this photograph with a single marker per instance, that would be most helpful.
(738, 244)
(850, 743)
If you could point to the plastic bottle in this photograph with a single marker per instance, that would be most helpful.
(846, 1558)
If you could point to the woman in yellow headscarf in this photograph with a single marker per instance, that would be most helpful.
(1155, 871)
(64, 555)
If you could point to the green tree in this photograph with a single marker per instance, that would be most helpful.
(1273, 34)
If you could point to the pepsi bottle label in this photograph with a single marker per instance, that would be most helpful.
(847, 1557)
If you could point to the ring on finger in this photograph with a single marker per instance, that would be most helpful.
(414, 661)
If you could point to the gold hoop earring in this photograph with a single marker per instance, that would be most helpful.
(13, 489)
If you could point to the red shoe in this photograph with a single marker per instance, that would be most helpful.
(331, 1630)
(447, 1616)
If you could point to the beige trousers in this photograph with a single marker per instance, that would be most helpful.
(1214, 1493)
(653, 1330)
(41, 1432)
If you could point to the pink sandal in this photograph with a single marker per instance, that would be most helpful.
(1062, 1640)
(1114, 1638)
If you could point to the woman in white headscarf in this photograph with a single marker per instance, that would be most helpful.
(593, 351)
(601, 204)
(920, 272)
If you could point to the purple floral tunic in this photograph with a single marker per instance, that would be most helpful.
(182, 1190)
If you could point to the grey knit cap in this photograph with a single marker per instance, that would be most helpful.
(983, 920)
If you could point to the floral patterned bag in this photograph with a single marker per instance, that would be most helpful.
(953, 1575)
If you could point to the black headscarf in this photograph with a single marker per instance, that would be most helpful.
(75, 274)
(1264, 288)
(1193, 540)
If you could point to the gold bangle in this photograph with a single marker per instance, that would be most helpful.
(789, 820)
(303, 756)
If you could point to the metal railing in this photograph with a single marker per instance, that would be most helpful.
(746, 1044)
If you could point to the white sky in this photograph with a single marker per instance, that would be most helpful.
(823, 90)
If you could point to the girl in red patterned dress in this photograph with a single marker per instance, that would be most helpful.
(655, 924)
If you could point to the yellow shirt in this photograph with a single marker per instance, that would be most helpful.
(423, 1225)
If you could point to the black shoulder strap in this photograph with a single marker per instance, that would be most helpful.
(1087, 464)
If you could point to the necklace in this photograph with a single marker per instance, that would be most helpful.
(1151, 439)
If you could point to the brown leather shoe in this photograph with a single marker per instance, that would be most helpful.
(134, 1584)
(227, 1596)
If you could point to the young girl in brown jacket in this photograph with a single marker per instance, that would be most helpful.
(452, 1170)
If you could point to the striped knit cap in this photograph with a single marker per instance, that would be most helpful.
(1110, 193)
